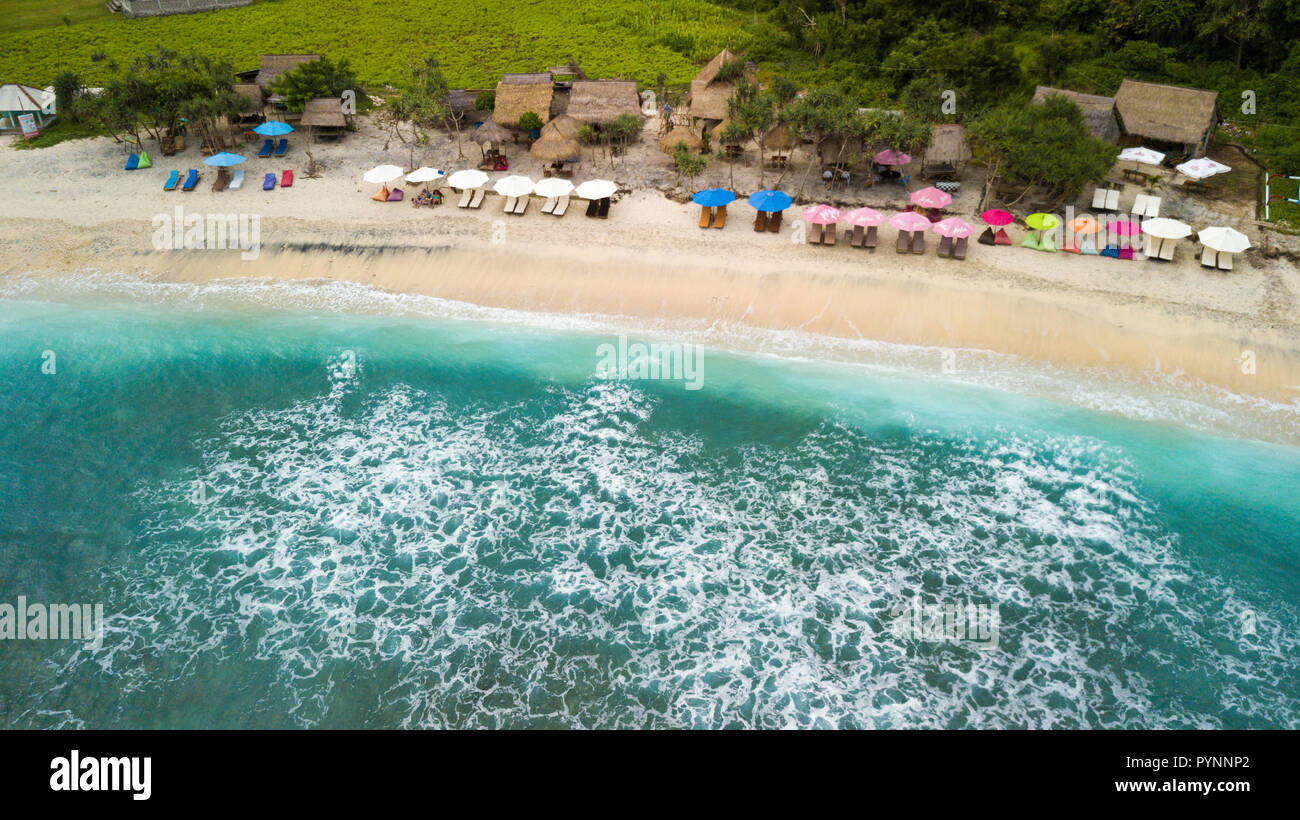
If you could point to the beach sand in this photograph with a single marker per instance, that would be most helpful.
(70, 209)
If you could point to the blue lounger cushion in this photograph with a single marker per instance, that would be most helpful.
(269, 182)
(191, 179)
(266, 148)
(282, 147)
(173, 179)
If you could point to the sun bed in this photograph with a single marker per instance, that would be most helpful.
(549, 205)
(814, 234)
(945, 246)
(959, 249)
(1140, 204)
(282, 147)
(477, 201)
(173, 179)
(594, 205)
(268, 184)
(395, 195)
(191, 180)
(1112, 200)
(1208, 258)
(465, 198)
(1153, 207)
(706, 217)
(522, 205)
(133, 162)
(774, 222)
(267, 148)
(237, 179)
(760, 221)
(904, 242)
(918, 242)
(603, 211)
(222, 180)
(859, 234)
(511, 202)
(869, 242)
(561, 205)
(1099, 199)
(828, 234)
(1167, 249)
(286, 179)
(1225, 261)
(1153, 247)
(719, 218)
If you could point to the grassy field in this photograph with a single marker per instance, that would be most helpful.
(476, 42)
(1285, 214)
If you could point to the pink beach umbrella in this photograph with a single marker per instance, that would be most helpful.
(954, 227)
(891, 157)
(909, 221)
(866, 217)
(997, 217)
(822, 215)
(1122, 227)
(931, 197)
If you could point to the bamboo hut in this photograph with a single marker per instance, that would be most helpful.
(555, 147)
(597, 101)
(1098, 111)
(709, 95)
(324, 116)
(517, 94)
(947, 153)
(1168, 115)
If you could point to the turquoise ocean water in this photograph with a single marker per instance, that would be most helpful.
(328, 507)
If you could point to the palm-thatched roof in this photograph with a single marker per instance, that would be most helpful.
(1166, 113)
(564, 126)
(831, 153)
(324, 112)
(595, 101)
(273, 65)
(1098, 111)
(554, 146)
(489, 132)
(779, 137)
(252, 91)
(679, 134)
(517, 94)
(948, 149)
(709, 96)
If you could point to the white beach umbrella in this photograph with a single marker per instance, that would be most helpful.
(382, 174)
(425, 174)
(1143, 155)
(596, 189)
(469, 178)
(552, 187)
(1224, 240)
(514, 185)
(1202, 167)
(1166, 228)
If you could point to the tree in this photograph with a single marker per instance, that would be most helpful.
(318, 78)
(692, 165)
(529, 121)
(820, 114)
(1278, 148)
(421, 104)
(752, 113)
(485, 101)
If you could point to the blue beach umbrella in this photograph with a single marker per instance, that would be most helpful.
(769, 200)
(713, 197)
(273, 128)
(223, 160)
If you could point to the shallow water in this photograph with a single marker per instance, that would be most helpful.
(297, 516)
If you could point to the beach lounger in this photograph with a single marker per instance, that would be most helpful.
(760, 221)
(511, 202)
(1140, 204)
(986, 238)
(1112, 200)
(1153, 247)
(477, 201)
(945, 247)
(133, 162)
(237, 179)
(1208, 258)
(282, 147)
(1001, 237)
(395, 195)
(1225, 261)
(1153, 207)
(267, 148)
(959, 249)
(814, 234)
(1099, 199)
(286, 179)
(465, 197)
(774, 222)
(603, 210)
(869, 242)
(173, 179)
(522, 205)
(222, 180)
(1167, 249)
(561, 205)
(706, 217)
(549, 205)
(268, 184)
(593, 206)
(918, 242)
(859, 234)
(191, 180)
(828, 234)
(719, 218)
(904, 242)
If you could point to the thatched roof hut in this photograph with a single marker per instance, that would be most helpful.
(252, 91)
(461, 102)
(555, 147)
(1167, 114)
(594, 101)
(1098, 111)
(679, 134)
(517, 94)
(273, 65)
(830, 150)
(947, 152)
(489, 132)
(564, 125)
(708, 95)
(325, 116)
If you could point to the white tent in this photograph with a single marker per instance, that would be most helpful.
(17, 99)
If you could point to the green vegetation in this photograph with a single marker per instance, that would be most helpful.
(61, 130)
(25, 15)
(318, 78)
(530, 121)
(1284, 214)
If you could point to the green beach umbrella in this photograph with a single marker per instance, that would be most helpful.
(1042, 222)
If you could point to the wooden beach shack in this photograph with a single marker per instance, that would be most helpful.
(947, 154)
(709, 95)
(324, 116)
(596, 101)
(1179, 120)
(517, 94)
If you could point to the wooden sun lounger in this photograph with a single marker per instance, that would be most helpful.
(774, 222)
(477, 201)
(828, 234)
(706, 217)
(549, 205)
(903, 243)
(859, 234)
(465, 198)
(1153, 207)
(918, 242)
(945, 247)
(959, 250)
(760, 221)
(511, 201)
(522, 205)
(1098, 202)
(719, 218)
(222, 180)
(1225, 261)
(1140, 204)
(1112, 200)
(1167, 249)
(561, 205)
(871, 239)
(814, 234)
(1209, 258)
(173, 180)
